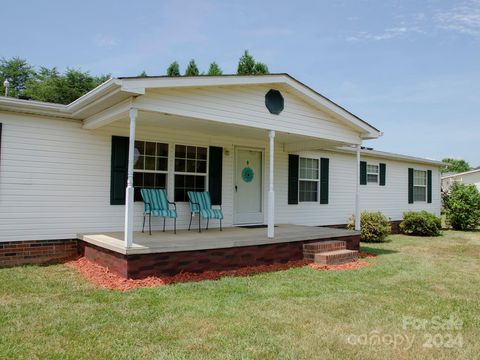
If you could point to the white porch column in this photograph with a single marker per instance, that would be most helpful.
(271, 194)
(129, 193)
(357, 189)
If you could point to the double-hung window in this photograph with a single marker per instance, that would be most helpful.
(372, 173)
(151, 166)
(308, 179)
(419, 185)
(190, 170)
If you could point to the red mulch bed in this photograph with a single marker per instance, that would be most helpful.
(102, 277)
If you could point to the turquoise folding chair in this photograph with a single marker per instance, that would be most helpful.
(201, 204)
(156, 203)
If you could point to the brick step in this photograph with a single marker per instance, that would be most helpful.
(310, 249)
(336, 257)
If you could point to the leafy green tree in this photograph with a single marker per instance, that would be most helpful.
(17, 71)
(455, 166)
(246, 64)
(192, 69)
(461, 205)
(261, 69)
(143, 74)
(173, 69)
(214, 70)
(51, 86)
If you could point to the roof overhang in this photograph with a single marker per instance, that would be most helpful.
(117, 91)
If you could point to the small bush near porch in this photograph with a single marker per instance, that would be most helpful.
(301, 313)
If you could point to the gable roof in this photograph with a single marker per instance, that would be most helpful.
(461, 174)
(116, 90)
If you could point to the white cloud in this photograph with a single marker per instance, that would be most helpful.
(387, 34)
(464, 19)
(105, 41)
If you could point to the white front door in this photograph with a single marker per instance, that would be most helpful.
(248, 186)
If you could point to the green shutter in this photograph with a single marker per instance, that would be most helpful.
(383, 173)
(119, 165)
(429, 186)
(410, 186)
(215, 166)
(324, 165)
(293, 161)
(363, 173)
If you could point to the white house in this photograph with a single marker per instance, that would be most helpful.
(467, 177)
(64, 168)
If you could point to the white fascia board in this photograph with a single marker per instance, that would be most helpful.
(391, 156)
(33, 107)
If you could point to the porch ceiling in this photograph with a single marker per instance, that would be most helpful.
(212, 129)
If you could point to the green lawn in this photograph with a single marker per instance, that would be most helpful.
(51, 312)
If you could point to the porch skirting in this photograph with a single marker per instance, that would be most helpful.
(170, 263)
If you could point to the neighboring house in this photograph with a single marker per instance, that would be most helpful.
(64, 168)
(467, 177)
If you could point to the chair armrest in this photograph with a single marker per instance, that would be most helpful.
(148, 207)
(173, 203)
(219, 205)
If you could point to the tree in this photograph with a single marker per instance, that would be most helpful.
(143, 74)
(17, 71)
(214, 70)
(192, 69)
(248, 66)
(51, 86)
(261, 69)
(173, 69)
(455, 166)
(461, 205)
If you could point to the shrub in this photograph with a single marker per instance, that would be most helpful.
(374, 226)
(421, 223)
(461, 205)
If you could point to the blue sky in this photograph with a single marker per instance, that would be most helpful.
(411, 68)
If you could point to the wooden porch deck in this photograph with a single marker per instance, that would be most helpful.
(231, 237)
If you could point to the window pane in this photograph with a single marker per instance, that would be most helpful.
(372, 178)
(419, 193)
(372, 169)
(148, 180)
(180, 151)
(160, 181)
(149, 163)
(191, 152)
(180, 165)
(162, 149)
(140, 164)
(140, 146)
(137, 179)
(191, 166)
(150, 148)
(202, 153)
(162, 164)
(185, 183)
(419, 177)
(309, 168)
(201, 166)
(308, 190)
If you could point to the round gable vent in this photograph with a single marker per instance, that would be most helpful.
(274, 101)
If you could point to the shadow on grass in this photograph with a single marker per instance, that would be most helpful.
(378, 251)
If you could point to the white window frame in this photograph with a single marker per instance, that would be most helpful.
(174, 157)
(144, 171)
(420, 186)
(377, 174)
(310, 180)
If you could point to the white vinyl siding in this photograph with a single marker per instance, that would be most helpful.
(55, 180)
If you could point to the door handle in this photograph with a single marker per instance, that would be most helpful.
(236, 188)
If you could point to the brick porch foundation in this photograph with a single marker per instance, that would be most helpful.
(170, 263)
(36, 252)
